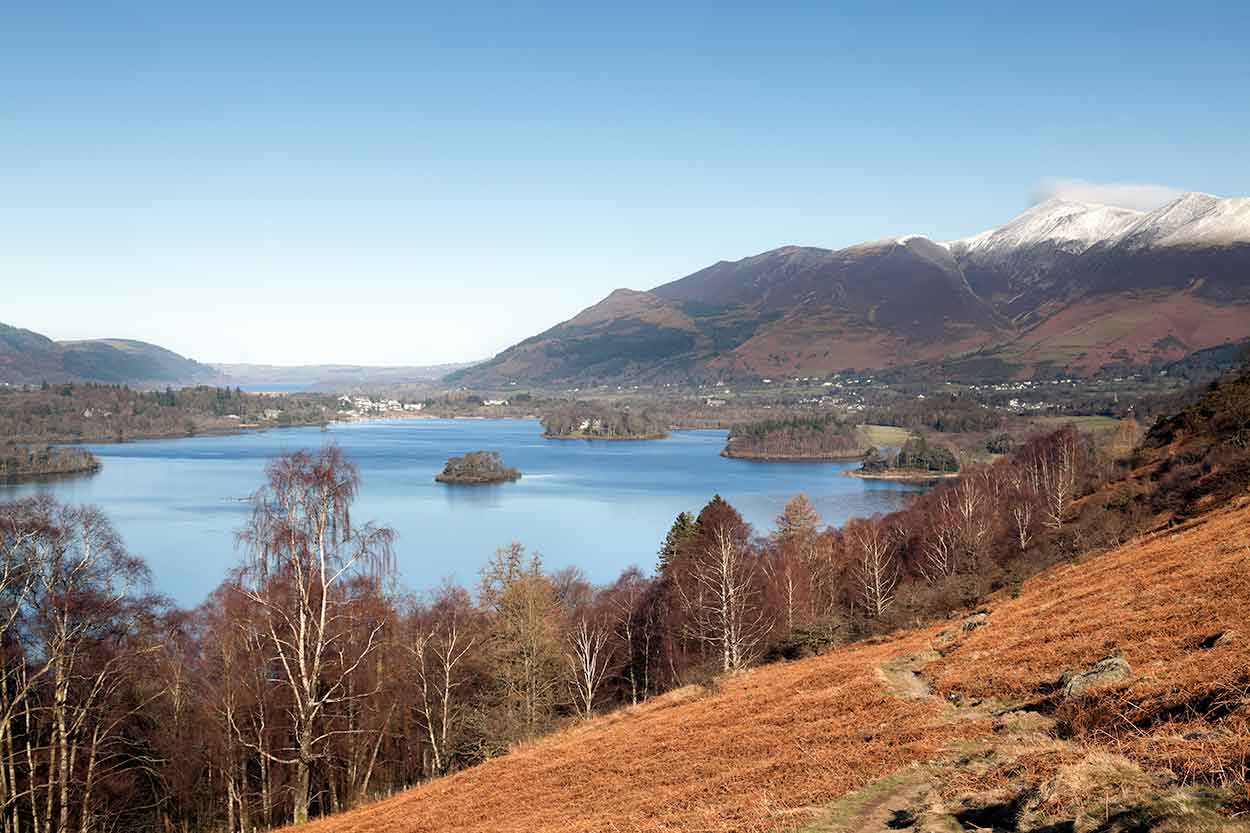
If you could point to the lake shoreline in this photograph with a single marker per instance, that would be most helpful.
(791, 458)
(591, 437)
(902, 475)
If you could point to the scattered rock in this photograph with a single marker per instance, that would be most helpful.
(975, 621)
(1217, 640)
(1112, 669)
(1023, 722)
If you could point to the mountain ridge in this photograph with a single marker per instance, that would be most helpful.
(28, 357)
(1064, 286)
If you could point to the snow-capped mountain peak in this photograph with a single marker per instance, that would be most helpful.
(1070, 226)
(1192, 220)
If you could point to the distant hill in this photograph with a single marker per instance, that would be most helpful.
(27, 357)
(1065, 287)
(335, 376)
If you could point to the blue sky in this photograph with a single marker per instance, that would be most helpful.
(401, 183)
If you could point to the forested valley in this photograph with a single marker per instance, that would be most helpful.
(310, 681)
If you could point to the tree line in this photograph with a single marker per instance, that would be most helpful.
(309, 681)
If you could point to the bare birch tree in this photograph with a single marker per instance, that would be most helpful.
(720, 597)
(439, 650)
(877, 570)
(1057, 466)
(589, 657)
(302, 552)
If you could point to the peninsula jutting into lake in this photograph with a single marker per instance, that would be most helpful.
(583, 421)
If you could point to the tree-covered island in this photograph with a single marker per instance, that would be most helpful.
(477, 467)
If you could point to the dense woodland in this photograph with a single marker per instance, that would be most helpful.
(943, 413)
(114, 413)
(309, 682)
(602, 422)
(21, 461)
(820, 436)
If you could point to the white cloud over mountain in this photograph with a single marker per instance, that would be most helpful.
(1137, 195)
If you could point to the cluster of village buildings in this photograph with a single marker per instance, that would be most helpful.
(367, 405)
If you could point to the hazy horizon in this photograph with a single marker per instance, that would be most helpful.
(391, 185)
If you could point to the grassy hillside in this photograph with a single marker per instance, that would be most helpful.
(956, 726)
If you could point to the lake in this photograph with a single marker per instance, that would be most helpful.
(600, 505)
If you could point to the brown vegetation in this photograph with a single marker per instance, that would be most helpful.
(764, 749)
(308, 685)
(1173, 605)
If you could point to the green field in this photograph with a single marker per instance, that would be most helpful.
(885, 435)
(1082, 423)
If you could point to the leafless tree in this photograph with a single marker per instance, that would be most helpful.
(632, 620)
(720, 597)
(877, 569)
(302, 553)
(941, 544)
(73, 617)
(589, 657)
(1022, 520)
(1057, 464)
(439, 653)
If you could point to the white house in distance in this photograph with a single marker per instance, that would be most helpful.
(367, 405)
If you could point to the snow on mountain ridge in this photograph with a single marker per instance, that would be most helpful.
(1072, 226)
(1194, 219)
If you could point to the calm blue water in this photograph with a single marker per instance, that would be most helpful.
(600, 505)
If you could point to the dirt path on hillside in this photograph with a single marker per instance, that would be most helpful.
(917, 798)
(901, 800)
(904, 675)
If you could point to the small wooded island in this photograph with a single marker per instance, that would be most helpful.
(823, 437)
(477, 467)
(18, 462)
(595, 422)
(916, 460)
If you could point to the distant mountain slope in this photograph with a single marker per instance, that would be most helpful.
(27, 357)
(334, 376)
(1064, 286)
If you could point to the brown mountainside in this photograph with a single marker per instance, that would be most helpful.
(1063, 287)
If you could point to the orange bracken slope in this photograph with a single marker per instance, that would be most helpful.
(771, 746)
